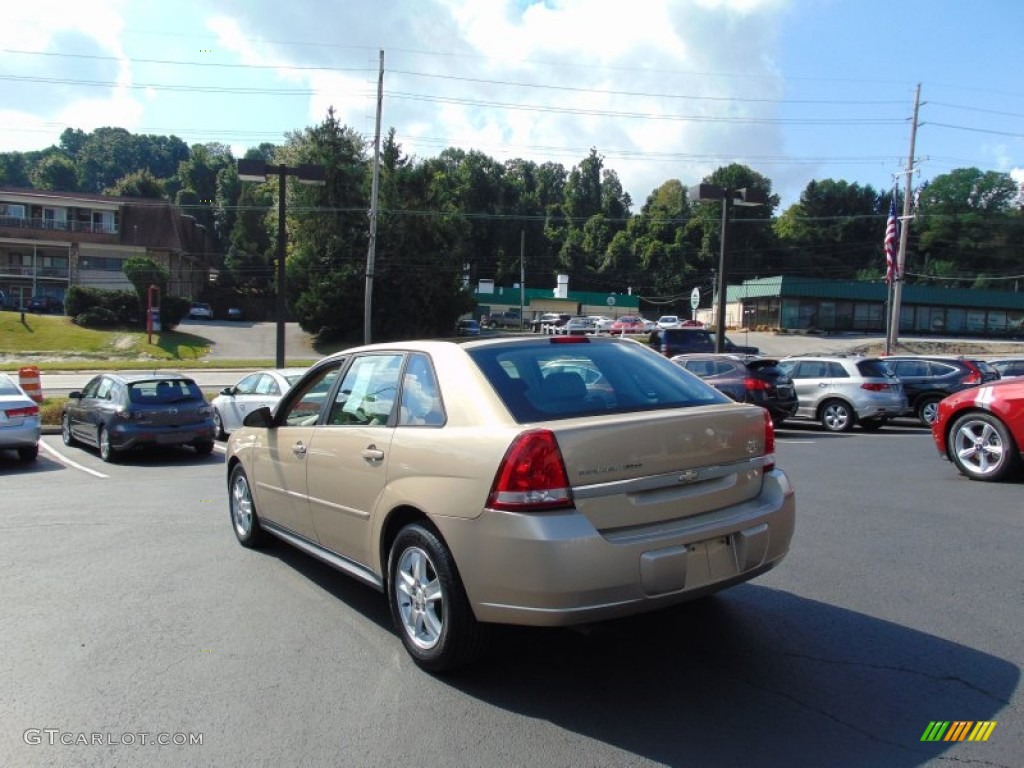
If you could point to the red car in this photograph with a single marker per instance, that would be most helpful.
(627, 324)
(981, 430)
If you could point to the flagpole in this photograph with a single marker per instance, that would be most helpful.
(897, 294)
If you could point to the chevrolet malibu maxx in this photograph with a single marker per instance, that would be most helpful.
(537, 481)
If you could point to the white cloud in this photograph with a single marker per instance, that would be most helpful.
(36, 26)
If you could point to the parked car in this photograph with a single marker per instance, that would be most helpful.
(840, 391)
(486, 482)
(45, 305)
(19, 420)
(235, 313)
(758, 381)
(926, 380)
(981, 429)
(257, 390)
(550, 321)
(684, 341)
(121, 412)
(199, 310)
(670, 321)
(578, 324)
(1008, 367)
(508, 319)
(602, 323)
(467, 328)
(627, 324)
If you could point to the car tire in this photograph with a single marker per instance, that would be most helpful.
(837, 416)
(218, 422)
(65, 430)
(204, 449)
(982, 448)
(429, 607)
(872, 425)
(28, 453)
(928, 410)
(107, 452)
(245, 522)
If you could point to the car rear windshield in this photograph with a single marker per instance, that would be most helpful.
(163, 391)
(559, 379)
(7, 387)
(873, 368)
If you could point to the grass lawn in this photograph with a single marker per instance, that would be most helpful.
(41, 336)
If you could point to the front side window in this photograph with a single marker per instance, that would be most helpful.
(247, 385)
(306, 401)
(368, 391)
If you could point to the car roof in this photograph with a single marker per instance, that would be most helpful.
(133, 378)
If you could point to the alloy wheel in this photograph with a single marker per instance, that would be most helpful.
(420, 598)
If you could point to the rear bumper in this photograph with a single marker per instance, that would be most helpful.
(555, 569)
(124, 437)
(24, 435)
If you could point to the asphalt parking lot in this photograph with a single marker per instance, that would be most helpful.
(130, 609)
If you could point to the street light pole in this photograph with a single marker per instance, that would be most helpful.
(280, 306)
(720, 309)
(259, 171)
(729, 197)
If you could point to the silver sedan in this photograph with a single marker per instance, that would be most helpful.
(19, 420)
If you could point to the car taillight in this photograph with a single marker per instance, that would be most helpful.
(755, 384)
(769, 442)
(875, 387)
(129, 415)
(532, 475)
(19, 413)
(974, 377)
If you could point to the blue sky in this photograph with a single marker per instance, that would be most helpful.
(796, 90)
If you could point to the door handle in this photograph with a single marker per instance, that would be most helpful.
(299, 449)
(372, 453)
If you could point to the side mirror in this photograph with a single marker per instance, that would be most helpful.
(228, 391)
(261, 417)
(76, 395)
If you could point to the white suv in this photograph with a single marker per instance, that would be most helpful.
(842, 391)
(198, 309)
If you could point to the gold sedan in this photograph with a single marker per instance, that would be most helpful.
(543, 481)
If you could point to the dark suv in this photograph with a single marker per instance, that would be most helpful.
(757, 381)
(687, 341)
(927, 380)
(45, 304)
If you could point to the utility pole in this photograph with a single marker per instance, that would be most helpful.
(901, 259)
(372, 251)
(522, 275)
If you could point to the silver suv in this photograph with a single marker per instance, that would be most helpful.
(841, 391)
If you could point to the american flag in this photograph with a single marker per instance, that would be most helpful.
(891, 230)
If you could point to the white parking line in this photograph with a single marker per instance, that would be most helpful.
(68, 462)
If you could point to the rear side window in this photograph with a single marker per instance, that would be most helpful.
(546, 380)
(873, 368)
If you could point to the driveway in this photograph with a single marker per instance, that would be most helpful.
(245, 340)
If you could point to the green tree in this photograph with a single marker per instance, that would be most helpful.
(751, 240)
(969, 218)
(327, 229)
(142, 272)
(14, 170)
(834, 231)
(141, 183)
(55, 172)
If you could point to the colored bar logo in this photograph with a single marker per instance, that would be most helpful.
(958, 730)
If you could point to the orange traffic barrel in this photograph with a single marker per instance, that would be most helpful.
(28, 378)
